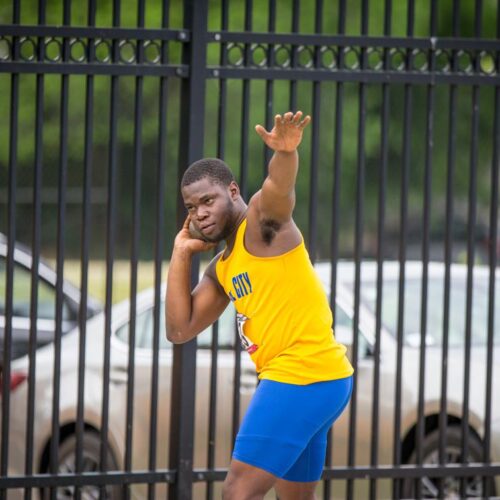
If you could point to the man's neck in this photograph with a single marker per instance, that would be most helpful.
(232, 237)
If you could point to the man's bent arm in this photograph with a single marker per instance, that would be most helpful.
(189, 313)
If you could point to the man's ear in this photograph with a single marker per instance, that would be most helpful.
(234, 190)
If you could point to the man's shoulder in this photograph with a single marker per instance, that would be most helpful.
(211, 271)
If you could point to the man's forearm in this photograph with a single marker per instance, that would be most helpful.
(178, 295)
(283, 169)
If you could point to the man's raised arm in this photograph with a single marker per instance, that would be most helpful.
(277, 198)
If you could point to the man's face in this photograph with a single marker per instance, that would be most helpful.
(211, 207)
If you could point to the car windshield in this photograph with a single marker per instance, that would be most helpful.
(144, 330)
(435, 309)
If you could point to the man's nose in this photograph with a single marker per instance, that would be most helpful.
(201, 213)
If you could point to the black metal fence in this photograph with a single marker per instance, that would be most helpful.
(104, 104)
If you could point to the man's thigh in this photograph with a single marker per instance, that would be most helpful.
(291, 490)
(246, 481)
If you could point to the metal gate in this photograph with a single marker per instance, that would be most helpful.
(104, 104)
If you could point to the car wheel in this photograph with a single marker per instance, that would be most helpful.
(90, 463)
(453, 455)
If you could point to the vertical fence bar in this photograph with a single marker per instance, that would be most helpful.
(471, 226)
(358, 246)
(61, 222)
(212, 413)
(316, 105)
(191, 148)
(236, 388)
(158, 253)
(427, 201)
(408, 98)
(134, 251)
(492, 261)
(245, 109)
(85, 238)
(243, 181)
(334, 236)
(36, 236)
(110, 246)
(448, 252)
(294, 56)
(212, 409)
(384, 160)
(269, 83)
(221, 112)
(9, 285)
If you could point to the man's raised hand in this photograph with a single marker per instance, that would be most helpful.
(286, 133)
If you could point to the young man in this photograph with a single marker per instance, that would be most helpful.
(284, 319)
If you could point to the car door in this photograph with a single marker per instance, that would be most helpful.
(21, 303)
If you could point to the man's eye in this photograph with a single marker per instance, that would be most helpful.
(209, 201)
(190, 209)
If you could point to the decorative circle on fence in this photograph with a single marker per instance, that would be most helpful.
(305, 56)
(258, 54)
(328, 57)
(152, 52)
(443, 61)
(102, 50)
(235, 54)
(397, 59)
(282, 56)
(53, 49)
(375, 58)
(487, 63)
(127, 51)
(27, 48)
(77, 50)
(5, 49)
(419, 60)
(351, 58)
(464, 61)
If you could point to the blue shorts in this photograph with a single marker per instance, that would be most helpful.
(285, 429)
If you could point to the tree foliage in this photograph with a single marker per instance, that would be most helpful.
(234, 144)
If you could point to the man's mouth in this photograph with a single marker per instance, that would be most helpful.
(207, 228)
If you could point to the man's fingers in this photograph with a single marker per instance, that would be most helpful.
(288, 116)
(277, 120)
(261, 131)
(297, 117)
(305, 122)
(186, 222)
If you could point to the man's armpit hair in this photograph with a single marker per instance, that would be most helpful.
(268, 230)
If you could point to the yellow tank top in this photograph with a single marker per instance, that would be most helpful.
(283, 315)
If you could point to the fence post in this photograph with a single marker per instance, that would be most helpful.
(192, 115)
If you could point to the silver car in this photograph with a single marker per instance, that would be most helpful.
(225, 382)
(46, 309)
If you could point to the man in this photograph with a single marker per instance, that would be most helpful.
(284, 319)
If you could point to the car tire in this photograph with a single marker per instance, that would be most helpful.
(91, 460)
(453, 455)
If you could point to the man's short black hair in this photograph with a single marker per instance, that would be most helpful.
(213, 168)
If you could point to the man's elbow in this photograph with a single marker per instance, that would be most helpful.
(174, 335)
(177, 336)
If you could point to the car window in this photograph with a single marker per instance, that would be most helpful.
(435, 309)
(144, 330)
(226, 331)
(22, 294)
(343, 331)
